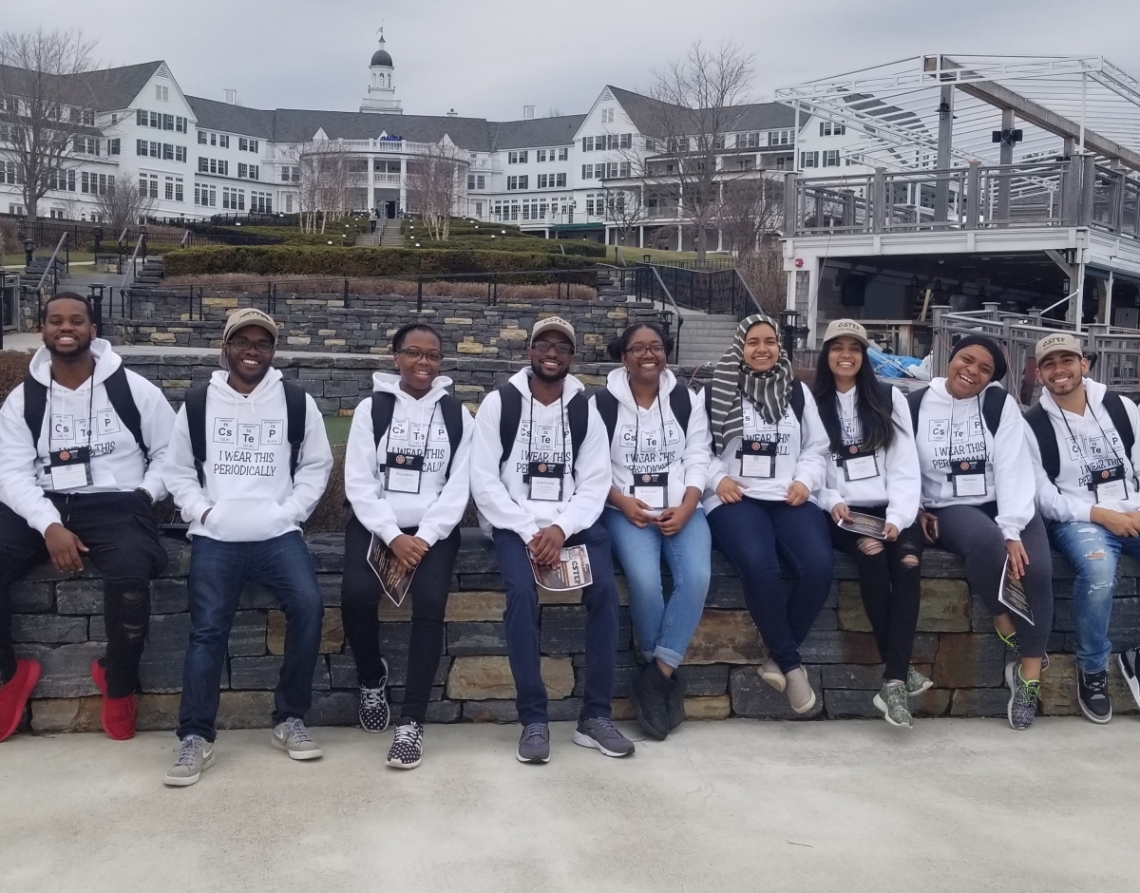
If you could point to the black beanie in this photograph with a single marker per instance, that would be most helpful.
(990, 346)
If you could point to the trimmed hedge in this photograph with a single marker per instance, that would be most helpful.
(278, 260)
(526, 243)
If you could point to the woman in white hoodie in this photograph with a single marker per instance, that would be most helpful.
(769, 454)
(659, 456)
(978, 501)
(873, 470)
(408, 486)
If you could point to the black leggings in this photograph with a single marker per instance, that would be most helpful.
(890, 578)
(360, 596)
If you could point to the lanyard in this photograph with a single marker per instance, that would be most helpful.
(90, 410)
(427, 431)
(1115, 454)
(530, 429)
(981, 425)
(758, 415)
(637, 434)
(858, 439)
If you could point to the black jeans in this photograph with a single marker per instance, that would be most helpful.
(360, 596)
(120, 531)
(890, 577)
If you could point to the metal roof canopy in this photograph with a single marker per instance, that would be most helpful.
(1061, 102)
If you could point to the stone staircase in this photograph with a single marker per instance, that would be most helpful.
(392, 237)
(36, 269)
(367, 240)
(705, 337)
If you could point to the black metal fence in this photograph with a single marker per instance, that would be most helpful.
(709, 291)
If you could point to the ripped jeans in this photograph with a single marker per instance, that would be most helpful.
(1094, 553)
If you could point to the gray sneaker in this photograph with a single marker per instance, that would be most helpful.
(292, 737)
(916, 683)
(771, 673)
(195, 756)
(534, 744)
(601, 733)
(799, 691)
(891, 700)
(1023, 697)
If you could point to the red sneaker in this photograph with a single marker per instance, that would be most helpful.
(14, 695)
(118, 713)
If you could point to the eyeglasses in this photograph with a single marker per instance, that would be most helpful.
(559, 347)
(640, 350)
(245, 344)
(415, 354)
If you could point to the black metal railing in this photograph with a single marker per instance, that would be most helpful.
(709, 291)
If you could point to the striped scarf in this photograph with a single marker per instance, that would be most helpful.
(768, 391)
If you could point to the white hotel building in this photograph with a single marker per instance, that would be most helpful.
(553, 176)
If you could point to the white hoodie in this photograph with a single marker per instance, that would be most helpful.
(1070, 499)
(501, 495)
(898, 485)
(439, 506)
(802, 455)
(1009, 476)
(684, 455)
(116, 460)
(248, 490)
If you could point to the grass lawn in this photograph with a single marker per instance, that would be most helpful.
(632, 254)
(336, 426)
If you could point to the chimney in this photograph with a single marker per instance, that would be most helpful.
(452, 113)
(231, 96)
(528, 112)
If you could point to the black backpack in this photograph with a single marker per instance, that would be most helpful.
(577, 415)
(1042, 428)
(295, 409)
(679, 405)
(795, 399)
(118, 392)
(384, 404)
(993, 404)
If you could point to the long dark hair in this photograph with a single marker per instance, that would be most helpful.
(873, 404)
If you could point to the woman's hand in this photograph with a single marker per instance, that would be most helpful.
(890, 533)
(1018, 559)
(797, 494)
(634, 509)
(929, 524)
(670, 521)
(409, 550)
(841, 513)
(728, 491)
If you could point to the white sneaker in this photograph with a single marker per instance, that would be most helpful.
(800, 694)
(1128, 666)
(771, 673)
(195, 756)
(292, 737)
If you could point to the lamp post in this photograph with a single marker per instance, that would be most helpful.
(790, 328)
(29, 247)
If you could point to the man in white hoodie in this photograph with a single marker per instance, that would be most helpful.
(248, 461)
(540, 482)
(1086, 452)
(81, 447)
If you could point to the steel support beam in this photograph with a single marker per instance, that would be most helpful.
(945, 148)
(1005, 156)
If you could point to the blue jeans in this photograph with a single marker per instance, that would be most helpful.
(218, 573)
(520, 620)
(754, 535)
(663, 628)
(1095, 584)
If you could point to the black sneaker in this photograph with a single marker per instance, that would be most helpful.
(374, 712)
(648, 695)
(676, 703)
(407, 746)
(1129, 660)
(1092, 694)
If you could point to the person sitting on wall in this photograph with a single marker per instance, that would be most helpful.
(82, 442)
(248, 461)
(540, 474)
(1086, 453)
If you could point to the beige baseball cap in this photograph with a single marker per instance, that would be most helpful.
(248, 316)
(848, 327)
(1062, 342)
(553, 324)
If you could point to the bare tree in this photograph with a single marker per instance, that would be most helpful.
(44, 108)
(698, 99)
(626, 209)
(323, 176)
(763, 270)
(123, 204)
(749, 209)
(434, 178)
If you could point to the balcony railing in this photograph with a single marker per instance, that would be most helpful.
(1078, 192)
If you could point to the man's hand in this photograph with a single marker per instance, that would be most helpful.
(64, 547)
(546, 544)
(797, 494)
(728, 491)
(1018, 558)
(929, 524)
(409, 550)
(1124, 524)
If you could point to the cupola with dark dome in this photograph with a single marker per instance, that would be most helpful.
(381, 93)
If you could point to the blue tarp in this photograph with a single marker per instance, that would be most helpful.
(890, 365)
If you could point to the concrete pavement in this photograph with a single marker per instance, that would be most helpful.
(954, 805)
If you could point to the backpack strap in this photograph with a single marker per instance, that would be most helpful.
(1114, 405)
(35, 405)
(510, 416)
(295, 412)
(608, 409)
(578, 416)
(993, 404)
(383, 405)
(796, 399)
(681, 406)
(452, 410)
(123, 402)
(1042, 428)
(914, 400)
(196, 424)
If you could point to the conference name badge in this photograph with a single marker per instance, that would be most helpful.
(70, 469)
(757, 458)
(652, 488)
(859, 465)
(545, 481)
(403, 473)
(1109, 485)
(969, 477)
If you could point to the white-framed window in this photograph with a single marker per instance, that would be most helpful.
(519, 157)
(202, 139)
(518, 182)
(213, 139)
(260, 202)
(243, 170)
(113, 146)
(587, 144)
(831, 158)
(161, 93)
(540, 155)
(173, 189)
(563, 154)
(254, 172)
(180, 154)
(223, 140)
(288, 202)
(607, 116)
(179, 124)
(243, 145)
(168, 122)
(748, 140)
(233, 199)
(809, 159)
(779, 137)
(831, 128)
(205, 195)
(148, 185)
(156, 120)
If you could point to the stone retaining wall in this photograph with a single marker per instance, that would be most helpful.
(365, 325)
(58, 620)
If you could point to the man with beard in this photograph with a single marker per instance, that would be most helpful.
(540, 474)
(82, 442)
(1086, 454)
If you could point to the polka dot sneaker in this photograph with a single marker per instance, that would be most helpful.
(407, 746)
(373, 710)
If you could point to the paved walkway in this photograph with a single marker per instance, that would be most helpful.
(954, 805)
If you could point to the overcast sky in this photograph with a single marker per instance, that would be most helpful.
(488, 59)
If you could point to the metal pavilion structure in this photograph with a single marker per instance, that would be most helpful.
(997, 182)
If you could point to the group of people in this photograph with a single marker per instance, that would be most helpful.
(771, 472)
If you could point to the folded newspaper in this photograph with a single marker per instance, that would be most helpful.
(571, 572)
(395, 579)
(865, 525)
(1011, 593)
